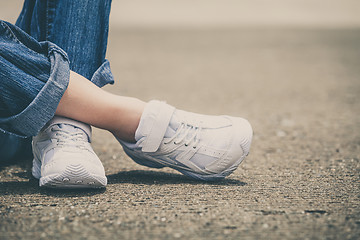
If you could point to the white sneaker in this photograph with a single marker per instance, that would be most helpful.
(64, 158)
(199, 146)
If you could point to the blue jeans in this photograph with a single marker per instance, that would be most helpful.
(51, 38)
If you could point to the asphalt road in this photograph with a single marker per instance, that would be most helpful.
(299, 89)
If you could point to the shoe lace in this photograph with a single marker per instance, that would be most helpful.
(187, 134)
(68, 138)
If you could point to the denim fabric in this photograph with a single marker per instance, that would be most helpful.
(35, 72)
(80, 28)
(13, 147)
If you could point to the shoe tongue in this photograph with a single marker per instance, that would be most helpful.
(68, 127)
(173, 126)
(72, 129)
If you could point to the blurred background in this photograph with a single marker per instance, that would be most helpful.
(232, 13)
(224, 13)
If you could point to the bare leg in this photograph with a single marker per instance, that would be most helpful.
(85, 102)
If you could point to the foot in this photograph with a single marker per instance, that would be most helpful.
(199, 146)
(64, 158)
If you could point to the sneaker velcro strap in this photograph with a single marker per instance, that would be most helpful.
(161, 116)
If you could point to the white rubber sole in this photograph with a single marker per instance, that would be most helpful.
(215, 176)
(74, 176)
(200, 176)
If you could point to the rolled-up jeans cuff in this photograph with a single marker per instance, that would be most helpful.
(103, 75)
(30, 121)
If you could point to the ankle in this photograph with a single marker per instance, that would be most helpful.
(128, 117)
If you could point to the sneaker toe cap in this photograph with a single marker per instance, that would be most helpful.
(238, 149)
(243, 134)
(76, 165)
